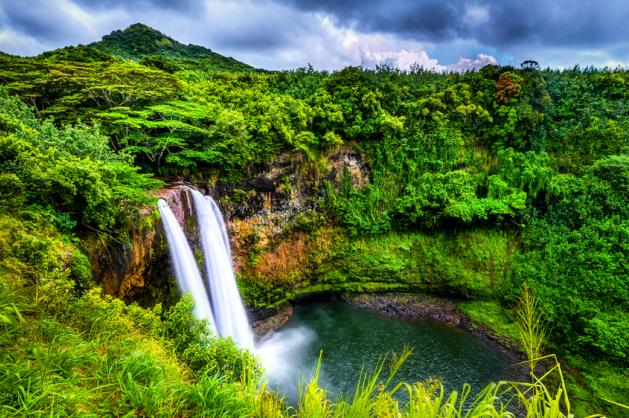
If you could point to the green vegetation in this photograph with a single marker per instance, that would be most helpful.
(374, 398)
(492, 314)
(532, 327)
(477, 185)
(96, 356)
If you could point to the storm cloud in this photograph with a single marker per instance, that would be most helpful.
(497, 23)
(329, 34)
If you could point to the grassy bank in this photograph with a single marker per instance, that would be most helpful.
(592, 383)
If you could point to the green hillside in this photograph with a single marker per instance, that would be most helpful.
(139, 41)
(79, 53)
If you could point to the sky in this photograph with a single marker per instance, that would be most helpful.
(332, 34)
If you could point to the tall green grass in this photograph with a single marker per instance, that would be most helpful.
(100, 357)
(375, 397)
(531, 325)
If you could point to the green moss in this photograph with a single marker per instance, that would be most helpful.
(363, 287)
(440, 262)
(492, 314)
(596, 385)
(456, 263)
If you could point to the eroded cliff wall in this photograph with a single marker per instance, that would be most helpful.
(136, 267)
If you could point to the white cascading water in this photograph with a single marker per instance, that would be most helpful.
(221, 223)
(229, 311)
(186, 269)
(281, 352)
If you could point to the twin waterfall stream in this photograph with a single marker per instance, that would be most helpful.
(216, 295)
(216, 299)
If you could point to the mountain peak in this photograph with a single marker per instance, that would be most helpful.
(140, 40)
(139, 29)
(138, 26)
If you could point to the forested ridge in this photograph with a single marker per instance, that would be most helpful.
(528, 163)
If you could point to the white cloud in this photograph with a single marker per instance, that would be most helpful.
(337, 47)
(404, 59)
(89, 24)
(563, 58)
(350, 47)
(466, 64)
(16, 43)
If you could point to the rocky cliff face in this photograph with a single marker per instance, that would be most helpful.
(269, 214)
(275, 223)
(138, 267)
(284, 248)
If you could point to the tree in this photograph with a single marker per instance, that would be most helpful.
(529, 65)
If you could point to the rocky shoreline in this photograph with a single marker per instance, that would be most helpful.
(266, 326)
(419, 306)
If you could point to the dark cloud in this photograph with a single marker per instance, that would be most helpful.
(622, 52)
(257, 39)
(498, 23)
(37, 20)
(438, 19)
(179, 6)
(58, 20)
(433, 19)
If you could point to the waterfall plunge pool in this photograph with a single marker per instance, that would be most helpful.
(351, 337)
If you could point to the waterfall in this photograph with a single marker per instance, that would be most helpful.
(229, 311)
(185, 266)
(221, 224)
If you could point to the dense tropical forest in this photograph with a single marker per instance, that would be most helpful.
(474, 185)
